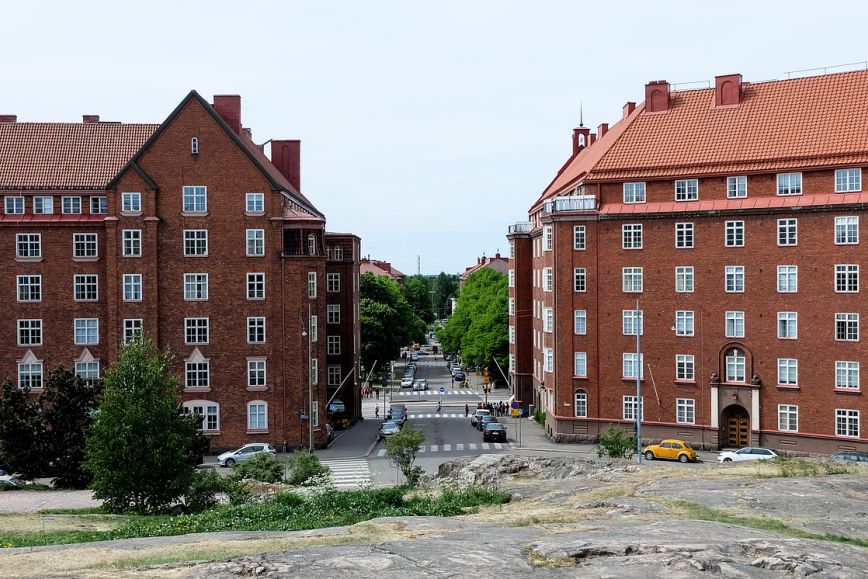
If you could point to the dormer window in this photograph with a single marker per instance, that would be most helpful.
(194, 146)
(311, 244)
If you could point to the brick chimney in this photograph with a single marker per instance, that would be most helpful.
(580, 139)
(629, 107)
(727, 90)
(286, 156)
(602, 129)
(87, 119)
(8, 118)
(657, 96)
(592, 139)
(228, 106)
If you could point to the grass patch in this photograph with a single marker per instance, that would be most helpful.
(83, 511)
(286, 512)
(704, 513)
(782, 467)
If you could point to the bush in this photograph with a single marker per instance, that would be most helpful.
(262, 467)
(539, 416)
(202, 495)
(616, 444)
(403, 447)
(304, 465)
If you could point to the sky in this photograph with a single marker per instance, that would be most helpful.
(426, 127)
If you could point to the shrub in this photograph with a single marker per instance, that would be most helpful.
(262, 467)
(616, 444)
(202, 495)
(403, 447)
(539, 416)
(303, 465)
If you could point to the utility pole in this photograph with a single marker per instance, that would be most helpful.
(310, 376)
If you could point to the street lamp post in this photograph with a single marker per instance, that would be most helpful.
(309, 378)
(636, 321)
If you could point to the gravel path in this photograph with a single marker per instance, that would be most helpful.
(33, 501)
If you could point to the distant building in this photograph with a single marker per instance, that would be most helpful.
(383, 268)
(496, 263)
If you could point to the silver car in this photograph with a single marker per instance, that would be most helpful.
(247, 451)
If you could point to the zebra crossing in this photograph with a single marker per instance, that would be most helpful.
(349, 473)
(457, 447)
(435, 392)
(439, 415)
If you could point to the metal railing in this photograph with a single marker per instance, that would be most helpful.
(572, 203)
(521, 227)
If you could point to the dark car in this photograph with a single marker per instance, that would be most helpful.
(851, 456)
(458, 376)
(483, 420)
(396, 414)
(494, 431)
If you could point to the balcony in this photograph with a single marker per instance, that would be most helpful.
(521, 227)
(571, 203)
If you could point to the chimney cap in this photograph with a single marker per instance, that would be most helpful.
(89, 118)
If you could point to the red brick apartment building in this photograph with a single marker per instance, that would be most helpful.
(187, 232)
(735, 216)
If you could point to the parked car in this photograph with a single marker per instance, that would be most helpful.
(851, 455)
(474, 418)
(494, 431)
(247, 451)
(396, 414)
(458, 376)
(670, 449)
(420, 384)
(388, 428)
(406, 382)
(9, 480)
(483, 420)
(746, 453)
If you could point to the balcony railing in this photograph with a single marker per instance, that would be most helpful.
(572, 203)
(521, 227)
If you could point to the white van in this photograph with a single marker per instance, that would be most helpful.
(480, 412)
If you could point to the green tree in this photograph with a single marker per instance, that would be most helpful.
(445, 288)
(68, 406)
(20, 432)
(387, 320)
(419, 297)
(140, 447)
(403, 447)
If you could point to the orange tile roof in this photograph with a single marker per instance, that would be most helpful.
(805, 122)
(66, 155)
(820, 200)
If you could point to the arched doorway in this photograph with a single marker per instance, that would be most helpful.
(736, 426)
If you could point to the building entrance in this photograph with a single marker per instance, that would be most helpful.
(736, 423)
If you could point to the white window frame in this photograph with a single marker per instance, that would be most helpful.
(82, 286)
(736, 187)
(44, 205)
(132, 327)
(789, 184)
(628, 366)
(88, 371)
(685, 367)
(847, 375)
(194, 146)
(687, 189)
(131, 242)
(311, 284)
(195, 287)
(13, 204)
(788, 325)
(30, 374)
(548, 320)
(580, 279)
(788, 372)
(548, 360)
(848, 180)
(333, 345)
(684, 235)
(197, 330)
(847, 230)
(735, 366)
(735, 324)
(630, 406)
(847, 423)
(257, 416)
(846, 327)
(733, 233)
(632, 279)
(685, 411)
(86, 331)
(193, 240)
(580, 241)
(788, 232)
(333, 314)
(734, 279)
(548, 238)
(256, 330)
(548, 279)
(580, 404)
(255, 242)
(634, 192)
(28, 288)
(629, 322)
(197, 375)
(684, 323)
(254, 203)
(334, 376)
(788, 418)
(85, 245)
(333, 282)
(257, 373)
(256, 285)
(29, 332)
(131, 202)
(28, 246)
(580, 364)
(132, 286)
(580, 322)
(208, 410)
(98, 204)
(684, 279)
(788, 279)
(846, 278)
(70, 205)
(631, 236)
(194, 199)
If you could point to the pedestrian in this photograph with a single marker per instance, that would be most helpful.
(377, 411)
(466, 410)
(439, 406)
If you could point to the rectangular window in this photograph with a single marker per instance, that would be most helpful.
(71, 205)
(848, 180)
(634, 192)
(196, 330)
(548, 320)
(132, 283)
(684, 279)
(314, 371)
(85, 287)
(548, 241)
(580, 364)
(847, 230)
(512, 334)
(195, 242)
(631, 279)
(846, 375)
(686, 189)
(735, 324)
(333, 282)
(195, 286)
(684, 323)
(580, 322)
(631, 408)
(579, 241)
(30, 375)
(44, 205)
(788, 325)
(683, 235)
(632, 366)
(255, 286)
(846, 278)
(256, 330)
(631, 322)
(131, 202)
(334, 376)
(195, 198)
(334, 345)
(736, 187)
(197, 375)
(581, 404)
(548, 278)
(685, 367)
(29, 332)
(257, 416)
(255, 242)
(14, 205)
(685, 410)
(29, 288)
(28, 245)
(209, 413)
(84, 245)
(311, 284)
(548, 360)
(789, 184)
(788, 417)
(788, 278)
(314, 328)
(788, 371)
(846, 422)
(333, 314)
(631, 236)
(86, 331)
(735, 278)
(510, 278)
(256, 374)
(580, 279)
(132, 242)
(132, 328)
(88, 371)
(788, 232)
(511, 306)
(734, 234)
(254, 203)
(847, 327)
(98, 205)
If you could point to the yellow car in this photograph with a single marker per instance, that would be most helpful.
(670, 449)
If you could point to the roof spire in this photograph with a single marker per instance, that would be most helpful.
(581, 122)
